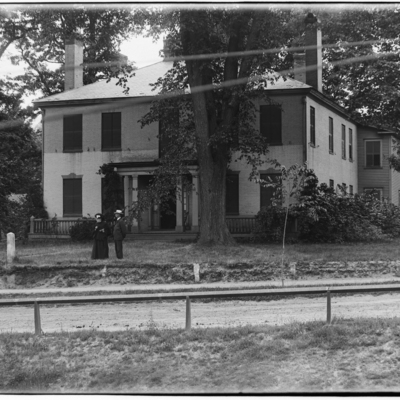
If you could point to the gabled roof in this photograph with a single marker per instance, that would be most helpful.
(139, 86)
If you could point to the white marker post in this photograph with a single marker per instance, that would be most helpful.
(10, 247)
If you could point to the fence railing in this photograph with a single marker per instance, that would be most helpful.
(241, 224)
(197, 295)
(56, 226)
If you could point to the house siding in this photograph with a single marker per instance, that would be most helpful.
(136, 144)
(326, 165)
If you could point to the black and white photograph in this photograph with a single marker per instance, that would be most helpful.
(200, 198)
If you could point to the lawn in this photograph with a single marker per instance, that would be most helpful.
(349, 355)
(47, 253)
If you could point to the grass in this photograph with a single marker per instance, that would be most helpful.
(50, 253)
(349, 355)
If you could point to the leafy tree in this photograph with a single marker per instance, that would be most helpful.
(368, 85)
(39, 32)
(20, 173)
(217, 118)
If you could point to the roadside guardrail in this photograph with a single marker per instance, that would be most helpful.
(188, 296)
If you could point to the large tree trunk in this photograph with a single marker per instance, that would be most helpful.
(213, 159)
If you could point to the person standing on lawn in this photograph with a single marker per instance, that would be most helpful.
(119, 233)
(100, 235)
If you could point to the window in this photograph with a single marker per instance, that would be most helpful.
(232, 194)
(375, 192)
(351, 189)
(172, 118)
(350, 144)
(312, 126)
(111, 131)
(72, 197)
(330, 135)
(72, 133)
(267, 192)
(372, 153)
(343, 142)
(271, 123)
(331, 183)
(344, 188)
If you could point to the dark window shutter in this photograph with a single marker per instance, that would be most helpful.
(72, 197)
(116, 120)
(232, 194)
(271, 123)
(72, 135)
(267, 192)
(111, 131)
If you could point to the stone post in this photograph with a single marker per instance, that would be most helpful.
(10, 247)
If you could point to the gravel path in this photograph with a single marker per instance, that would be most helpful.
(113, 317)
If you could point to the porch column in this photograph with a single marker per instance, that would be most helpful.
(134, 196)
(179, 205)
(195, 203)
(126, 193)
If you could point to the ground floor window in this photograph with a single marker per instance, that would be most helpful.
(376, 192)
(267, 192)
(72, 197)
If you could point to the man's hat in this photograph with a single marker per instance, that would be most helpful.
(118, 212)
(98, 215)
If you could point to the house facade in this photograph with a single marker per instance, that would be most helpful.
(88, 126)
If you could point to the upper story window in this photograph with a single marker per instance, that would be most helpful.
(331, 183)
(169, 119)
(271, 123)
(343, 142)
(351, 189)
(232, 194)
(373, 157)
(111, 131)
(312, 126)
(350, 144)
(330, 135)
(72, 197)
(72, 133)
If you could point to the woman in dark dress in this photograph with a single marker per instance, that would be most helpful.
(100, 235)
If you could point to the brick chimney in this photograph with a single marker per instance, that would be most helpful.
(73, 64)
(166, 49)
(313, 38)
(299, 67)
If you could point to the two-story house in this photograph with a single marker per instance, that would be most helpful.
(85, 127)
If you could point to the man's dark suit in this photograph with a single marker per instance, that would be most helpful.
(119, 236)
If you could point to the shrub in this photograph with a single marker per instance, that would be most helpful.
(82, 230)
(325, 216)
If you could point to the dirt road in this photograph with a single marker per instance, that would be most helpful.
(172, 314)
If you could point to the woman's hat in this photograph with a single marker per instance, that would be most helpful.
(118, 212)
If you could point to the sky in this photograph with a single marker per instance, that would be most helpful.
(139, 49)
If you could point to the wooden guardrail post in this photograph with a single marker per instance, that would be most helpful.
(188, 314)
(38, 327)
(328, 306)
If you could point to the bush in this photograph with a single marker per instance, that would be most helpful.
(82, 230)
(325, 216)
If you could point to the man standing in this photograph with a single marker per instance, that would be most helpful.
(119, 233)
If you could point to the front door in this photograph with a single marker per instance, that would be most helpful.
(168, 212)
